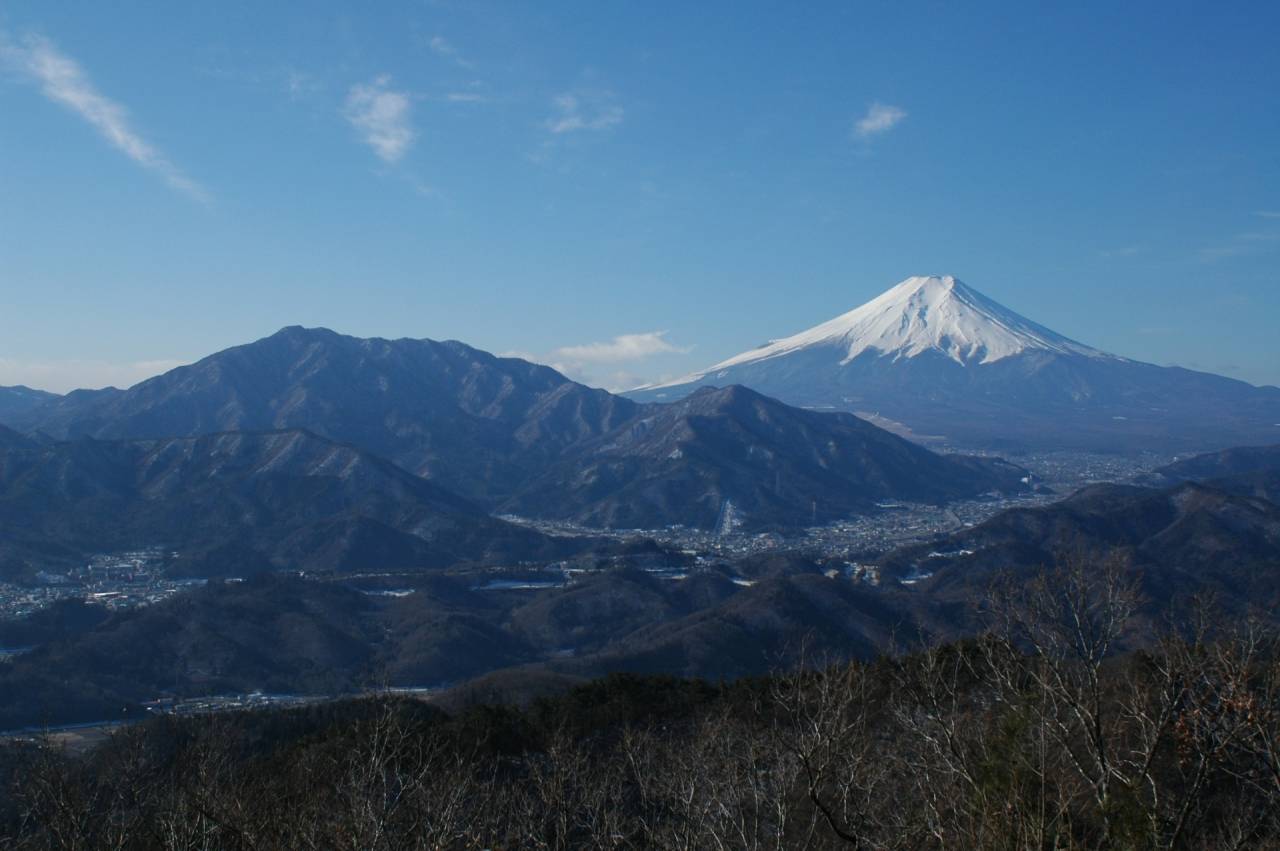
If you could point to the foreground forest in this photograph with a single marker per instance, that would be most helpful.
(1034, 736)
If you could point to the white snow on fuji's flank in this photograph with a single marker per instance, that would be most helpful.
(921, 314)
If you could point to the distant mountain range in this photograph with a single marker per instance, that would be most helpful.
(934, 358)
(314, 451)
(474, 423)
(520, 438)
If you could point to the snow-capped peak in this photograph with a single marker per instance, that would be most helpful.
(920, 314)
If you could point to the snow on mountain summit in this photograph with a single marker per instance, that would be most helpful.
(939, 362)
(921, 314)
(926, 313)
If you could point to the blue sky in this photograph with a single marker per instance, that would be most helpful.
(629, 190)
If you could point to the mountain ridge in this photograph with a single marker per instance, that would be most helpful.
(19, 399)
(732, 446)
(513, 436)
(933, 358)
(489, 417)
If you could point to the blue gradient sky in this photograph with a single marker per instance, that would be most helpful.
(546, 179)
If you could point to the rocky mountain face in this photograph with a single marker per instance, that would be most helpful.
(10, 439)
(935, 358)
(236, 503)
(722, 456)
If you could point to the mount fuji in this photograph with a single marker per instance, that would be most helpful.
(936, 360)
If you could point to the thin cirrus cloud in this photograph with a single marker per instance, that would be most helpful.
(63, 81)
(1244, 244)
(381, 115)
(442, 48)
(608, 364)
(576, 112)
(879, 118)
(1123, 251)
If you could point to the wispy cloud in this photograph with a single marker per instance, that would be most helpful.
(1222, 252)
(299, 84)
(442, 48)
(578, 111)
(381, 115)
(1268, 214)
(472, 91)
(63, 81)
(61, 376)
(880, 118)
(601, 364)
(293, 82)
(1122, 251)
(1242, 245)
(625, 347)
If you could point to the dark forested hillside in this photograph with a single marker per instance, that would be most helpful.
(287, 635)
(235, 503)
(1181, 542)
(732, 449)
(1216, 465)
